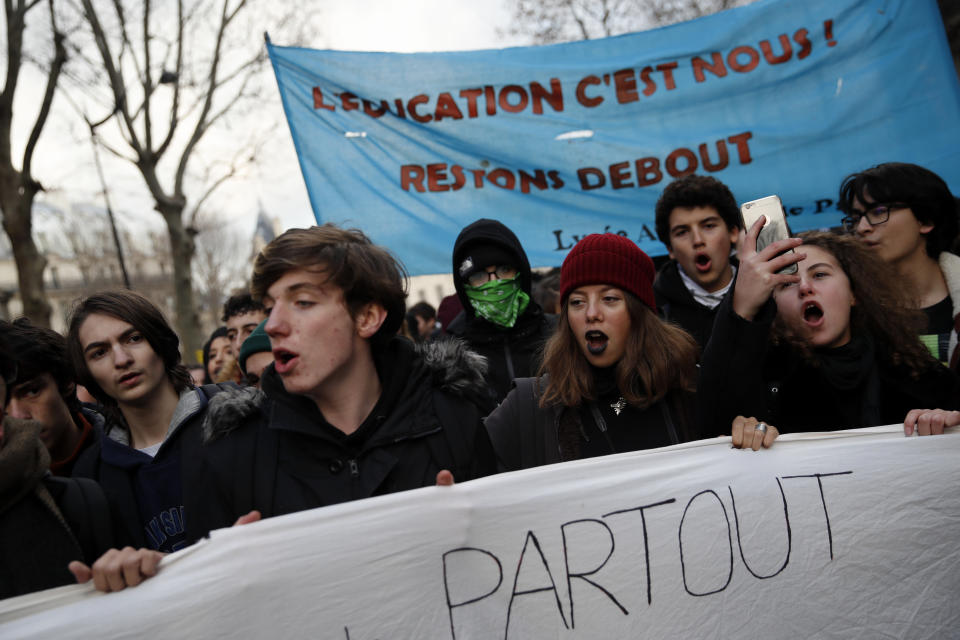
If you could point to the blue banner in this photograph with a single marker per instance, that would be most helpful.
(779, 97)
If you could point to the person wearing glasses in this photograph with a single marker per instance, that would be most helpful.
(908, 217)
(500, 320)
(831, 347)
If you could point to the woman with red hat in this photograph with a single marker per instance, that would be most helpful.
(614, 376)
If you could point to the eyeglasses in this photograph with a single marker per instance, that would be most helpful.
(877, 215)
(502, 272)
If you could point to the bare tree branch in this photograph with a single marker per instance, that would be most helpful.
(146, 78)
(225, 18)
(115, 77)
(175, 109)
(60, 56)
(546, 21)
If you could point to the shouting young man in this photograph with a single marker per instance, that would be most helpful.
(347, 410)
(698, 220)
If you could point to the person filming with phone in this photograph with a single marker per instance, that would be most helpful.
(830, 346)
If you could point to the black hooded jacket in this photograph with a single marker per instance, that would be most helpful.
(273, 451)
(510, 353)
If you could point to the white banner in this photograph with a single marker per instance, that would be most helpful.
(847, 535)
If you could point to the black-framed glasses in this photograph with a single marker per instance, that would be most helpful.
(503, 272)
(875, 215)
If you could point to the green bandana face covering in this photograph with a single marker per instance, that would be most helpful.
(498, 301)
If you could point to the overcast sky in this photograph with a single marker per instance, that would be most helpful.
(63, 161)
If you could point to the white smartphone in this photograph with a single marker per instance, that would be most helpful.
(775, 228)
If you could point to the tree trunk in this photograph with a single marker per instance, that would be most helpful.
(30, 263)
(181, 254)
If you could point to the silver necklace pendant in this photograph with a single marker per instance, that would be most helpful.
(618, 406)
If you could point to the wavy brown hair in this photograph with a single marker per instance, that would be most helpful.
(882, 309)
(363, 271)
(659, 358)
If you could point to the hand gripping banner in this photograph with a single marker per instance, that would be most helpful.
(828, 535)
(779, 97)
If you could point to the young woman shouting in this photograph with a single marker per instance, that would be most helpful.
(614, 376)
(833, 346)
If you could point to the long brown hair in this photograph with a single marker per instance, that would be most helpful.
(882, 309)
(659, 358)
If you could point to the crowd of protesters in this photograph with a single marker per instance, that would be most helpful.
(322, 387)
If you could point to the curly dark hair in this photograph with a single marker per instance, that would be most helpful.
(927, 195)
(239, 303)
(695, 191)
(881, 310)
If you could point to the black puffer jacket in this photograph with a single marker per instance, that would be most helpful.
(510, 353)
(274, 452)
(742, 373)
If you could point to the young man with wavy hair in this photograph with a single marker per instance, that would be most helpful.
(348, 409)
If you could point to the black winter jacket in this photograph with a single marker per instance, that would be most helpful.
(525, 435)
(45, 521)
(510, 353)
(676, 305)
(742, 373)
(274, 452)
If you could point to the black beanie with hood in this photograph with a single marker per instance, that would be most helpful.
(483, 243)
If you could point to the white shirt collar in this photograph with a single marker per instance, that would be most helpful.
(700, 294)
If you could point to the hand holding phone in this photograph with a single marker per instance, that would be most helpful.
(763, 267)
(775, 228)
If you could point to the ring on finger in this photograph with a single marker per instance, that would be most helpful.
(761, 427)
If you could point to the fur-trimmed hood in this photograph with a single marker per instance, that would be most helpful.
(447, 365)
(453, 366)
(228, 409)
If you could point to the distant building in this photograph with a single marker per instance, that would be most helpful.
(82, 259)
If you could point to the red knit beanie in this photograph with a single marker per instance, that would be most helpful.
(608, 258)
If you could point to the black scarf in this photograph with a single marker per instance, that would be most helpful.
(850, 368)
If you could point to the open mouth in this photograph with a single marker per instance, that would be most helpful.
(812, 313)
(596, 342)
(702, 262)
(283, 360)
